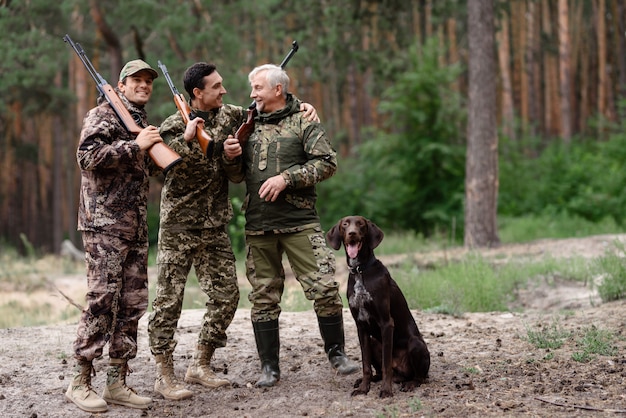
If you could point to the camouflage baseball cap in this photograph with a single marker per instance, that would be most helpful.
(135, 66)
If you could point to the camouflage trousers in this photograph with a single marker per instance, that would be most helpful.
(312, 262)
(117, 296)
(209, 252)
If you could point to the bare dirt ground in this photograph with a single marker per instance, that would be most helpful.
(481, 363)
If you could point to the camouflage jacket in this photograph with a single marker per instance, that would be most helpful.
(283, 142)
(114, 175)
(195, 192)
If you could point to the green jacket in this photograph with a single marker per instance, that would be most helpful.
(195, 192)
(283, 142)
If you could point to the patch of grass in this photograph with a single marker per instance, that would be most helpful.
(471, 370)
(612, 266)
(471, 285)
(594, 341)
(475, 284)
(415, 404)
(406, 242)
(390, 411)
(550, 336)
(15, 312)
(552, 225)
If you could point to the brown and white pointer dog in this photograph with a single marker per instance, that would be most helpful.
(389, 337)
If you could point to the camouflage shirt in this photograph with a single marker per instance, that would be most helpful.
(114, 175)
(195, 192)
(283, 142)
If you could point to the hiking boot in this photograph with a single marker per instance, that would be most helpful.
(166, 383)
(199, 371)
(80, 391)
(116, 391)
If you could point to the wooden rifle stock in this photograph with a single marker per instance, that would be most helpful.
(205, 141)
(162, 155)
(246, 129)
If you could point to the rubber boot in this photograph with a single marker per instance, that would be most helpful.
(166, 383)
(80, 391)
(267, 339)
(199, 371)
(116, 391)
(331, 328)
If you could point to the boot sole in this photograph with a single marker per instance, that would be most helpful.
(347, 372)
(175, 398)
(205, 384)
(127, 404)
(104, 409)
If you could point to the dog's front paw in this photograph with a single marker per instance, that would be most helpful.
(362, 387)
(408, 386)
(385, 394)
(360, 391)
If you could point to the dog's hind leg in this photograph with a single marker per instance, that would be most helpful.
(420, 359)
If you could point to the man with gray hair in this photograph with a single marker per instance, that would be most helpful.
(283, 160)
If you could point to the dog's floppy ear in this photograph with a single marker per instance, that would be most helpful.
(334, 237)
(375, 234)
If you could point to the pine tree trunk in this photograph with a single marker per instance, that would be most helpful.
(481, 180)
(504, 58)
(564, 72)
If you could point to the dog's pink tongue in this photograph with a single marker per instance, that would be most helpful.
(352, 250)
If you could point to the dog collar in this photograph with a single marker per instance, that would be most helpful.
(360, 268)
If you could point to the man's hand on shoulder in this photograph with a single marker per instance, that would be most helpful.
(309, 112)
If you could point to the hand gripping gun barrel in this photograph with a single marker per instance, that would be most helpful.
(205, 141)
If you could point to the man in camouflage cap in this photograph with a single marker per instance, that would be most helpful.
(194, 215)
(112, 217)
(284, 158)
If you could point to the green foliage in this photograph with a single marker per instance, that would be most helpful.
(471, 285)
(551, 223)
(236, 227)
(613, 284)
(594, 341)
(474, 284)
(550, 336)
(590, 341)
(153, 224)
(410, 176)
(582, 179)
(29, 56)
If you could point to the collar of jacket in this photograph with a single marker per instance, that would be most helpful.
(291, 107)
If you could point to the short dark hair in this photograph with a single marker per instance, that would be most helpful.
(194, 76)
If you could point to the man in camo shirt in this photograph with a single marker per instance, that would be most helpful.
(195, 211)
(112, 218)
(284, 158)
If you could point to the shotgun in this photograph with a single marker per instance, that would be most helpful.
(164, 157)
(244, 131)
(205, 141)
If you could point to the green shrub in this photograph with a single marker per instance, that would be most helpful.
(583, 179)
(409, 176)
(613, 268)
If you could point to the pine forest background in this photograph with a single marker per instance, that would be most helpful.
(389, 78)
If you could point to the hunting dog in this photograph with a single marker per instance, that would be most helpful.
(389, 338)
